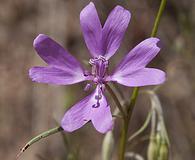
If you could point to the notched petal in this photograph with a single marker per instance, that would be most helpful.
(52, 75)
(62, 67)
(92, 29)
(53, 53)
(90, 108)
(142, 77)
(138, 57)
(114, 29)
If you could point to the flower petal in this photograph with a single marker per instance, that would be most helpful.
(142, 77)
(53, 53)
(114, 29)
(86, 110)
(63, 68)
(53, 75)
(138, 57)
(92, 29)
(78, 115)
(102, 117)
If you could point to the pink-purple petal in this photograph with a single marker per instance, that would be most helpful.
(53, 75)
(114, 29)
(103, 41)
(142, 77)
(92, 29)
(86, 110)
(131, 70)
(77, 115)
(62, 69)
(102, 117)
(54, 54)
(139, 56)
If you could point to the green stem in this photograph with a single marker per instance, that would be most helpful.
(116, 100)
(158, 17)
(142, 128)
(123, 138)
(39, 137)
(132, 102)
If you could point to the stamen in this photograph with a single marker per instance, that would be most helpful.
(102, 87)
(99, 68)
(87, 87)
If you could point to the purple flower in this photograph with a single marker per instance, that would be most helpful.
(102, 42)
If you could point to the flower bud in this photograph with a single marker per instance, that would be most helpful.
(152, 152)
(70, 156)
(163, 152)
(154, 146)
(158, 141)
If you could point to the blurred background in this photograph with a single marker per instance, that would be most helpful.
(28, 108)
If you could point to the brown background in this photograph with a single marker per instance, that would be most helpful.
(28, 108)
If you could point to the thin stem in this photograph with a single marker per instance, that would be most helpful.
(158, 108)
(109, 89)
(153, 122)
(142, 128)
(118, 90)
(132, 102)
(158, 17)
(123, 139)
(138, 141)
(39, 137)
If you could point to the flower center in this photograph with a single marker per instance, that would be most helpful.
(99, 69)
